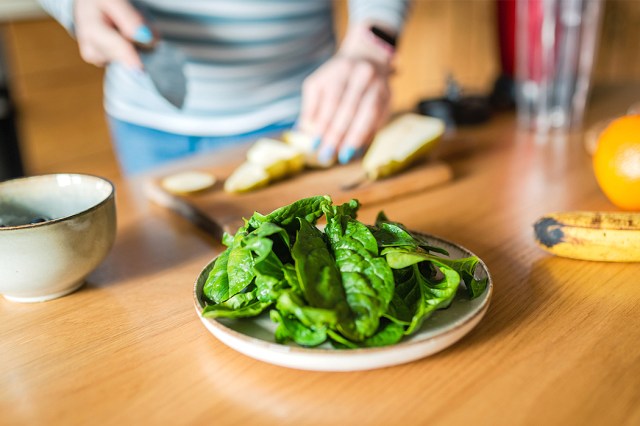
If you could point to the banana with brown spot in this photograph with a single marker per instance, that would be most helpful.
(584, 235)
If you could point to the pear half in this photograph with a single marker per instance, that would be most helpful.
(400, 143)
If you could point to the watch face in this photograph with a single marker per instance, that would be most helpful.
(383, 35)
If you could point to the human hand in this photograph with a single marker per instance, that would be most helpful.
(105, 30)
(347, 99)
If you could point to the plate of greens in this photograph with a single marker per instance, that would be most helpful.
(340, 296)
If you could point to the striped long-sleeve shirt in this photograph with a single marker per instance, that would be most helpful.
(247, 60)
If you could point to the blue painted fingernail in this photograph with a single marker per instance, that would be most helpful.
(143, 35)
(316, 143)
(346, 154)
(326, 155)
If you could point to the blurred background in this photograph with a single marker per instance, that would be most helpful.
(54, 99)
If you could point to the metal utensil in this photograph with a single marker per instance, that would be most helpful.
(197, 217)
(164, 62)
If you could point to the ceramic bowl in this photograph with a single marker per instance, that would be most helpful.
(54, 230)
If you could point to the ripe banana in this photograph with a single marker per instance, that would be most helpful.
(603, 236)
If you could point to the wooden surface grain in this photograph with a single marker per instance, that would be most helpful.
(559, 345)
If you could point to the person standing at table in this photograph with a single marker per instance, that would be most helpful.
(254, 68)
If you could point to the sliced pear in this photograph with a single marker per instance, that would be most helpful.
(400, 143)
(188, 182)
(247, 177)
(276, 157)
(305, 143)
(267, 160)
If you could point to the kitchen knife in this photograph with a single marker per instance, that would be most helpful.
(157, 195)
(165, 62)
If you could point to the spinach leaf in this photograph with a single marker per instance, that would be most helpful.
(216, 288)
(389, 334)
(389, 234)
(317, 273)
(290, 328)
(401, 257)
(338, 341)
(394, 234)
(291, 304)
(268, 268)
(434, 294)
(227, 239)
(242, 305)
(418, 295)
(403, 304)
(268, 288)
(291, 278)
(466, 268)
(270, 229)
(240, 265)
(366, 277)
(308, 208)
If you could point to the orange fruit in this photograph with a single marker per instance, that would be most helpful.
(616, 162)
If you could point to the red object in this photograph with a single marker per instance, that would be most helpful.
(507, 35)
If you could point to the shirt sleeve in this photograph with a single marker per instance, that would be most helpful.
(392, 13)
(61, 10)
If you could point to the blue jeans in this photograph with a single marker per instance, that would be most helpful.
(140, 148)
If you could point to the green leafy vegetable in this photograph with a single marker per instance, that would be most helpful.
(317, 272)
(402, 257)
(242, 305)
(352, 285)
(216, 288)
(366, 277)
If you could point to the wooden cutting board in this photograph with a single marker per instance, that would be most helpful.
(228, 210)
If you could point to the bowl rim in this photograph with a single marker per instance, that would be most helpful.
(110, 196)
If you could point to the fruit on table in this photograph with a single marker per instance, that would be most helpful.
(188, 182)
(267, 160)
(616, 162)
(278, 158)
(603, 236)
(305, 143)
(247, 177)
(400, 143)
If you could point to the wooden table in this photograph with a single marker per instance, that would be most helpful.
(560, 343)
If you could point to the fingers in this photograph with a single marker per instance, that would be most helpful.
(104, 29)
(334, 84)
(360, 99)
(367, 119)
(127, 20)
(344, 102)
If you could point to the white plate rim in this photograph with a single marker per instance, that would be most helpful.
(323, 359)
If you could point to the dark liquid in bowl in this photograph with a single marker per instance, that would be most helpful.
(20, 217)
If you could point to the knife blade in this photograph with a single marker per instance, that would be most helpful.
(164, 63)
(191, 213)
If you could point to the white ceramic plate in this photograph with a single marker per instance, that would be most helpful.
(254, 337)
